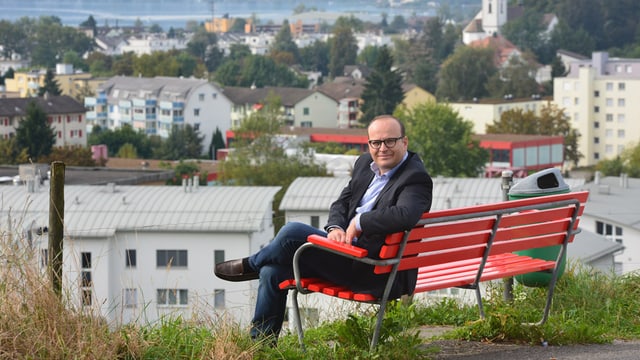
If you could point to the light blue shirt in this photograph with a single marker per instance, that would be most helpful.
(375, 187)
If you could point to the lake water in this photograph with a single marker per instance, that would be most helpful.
(176, 13)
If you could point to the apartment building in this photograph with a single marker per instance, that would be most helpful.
(135, 254)
(600, 96)
(65, 115)
(483, 112)
(70, 82)
(155, 105)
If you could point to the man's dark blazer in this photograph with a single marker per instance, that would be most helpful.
(398, 207)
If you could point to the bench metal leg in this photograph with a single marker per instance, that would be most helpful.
(378, 328)
(479, 299)
(297, 320)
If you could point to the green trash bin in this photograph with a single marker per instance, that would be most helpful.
(544, 182)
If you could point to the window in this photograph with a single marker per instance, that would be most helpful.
(608, 149)
(607, 230)
(596, 109)
(130, 258)
(596, 93)
(629, 69)
(621, 102)
(596, 124)
(621, 118)
(196, 112)
(609, 102)
(596, 140)
(609, 117)
(608, 133)
(218, 298)
(201, 97)
(576, 101)
(305, 111)
(609, 86)
(218, 256)
(130, 298)
(315, 221)
(173, 258)
(621, 133)
(85, 278)
(621, 86)
(214, 96)
(566, 101)
(168, 297)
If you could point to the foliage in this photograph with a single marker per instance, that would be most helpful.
(551, 121)
(127, 151)
(343, 50)
(283, 45)
(315, 57)
(628, 163)
(328, 147)
(443, 139)
(71, 156)
(184, 142)
(259, 71)
(464, 74)
(51, 85)
(217, 143)
(10, 153)
(516, 79)
(114, 139)
(258, 159)
(203, 46)
(383, 89)
(35, 133)
(185, 170)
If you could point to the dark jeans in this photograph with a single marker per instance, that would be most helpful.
(274, 263)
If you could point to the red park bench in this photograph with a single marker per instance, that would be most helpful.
(459, 248)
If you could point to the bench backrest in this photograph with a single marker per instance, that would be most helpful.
(479, 231)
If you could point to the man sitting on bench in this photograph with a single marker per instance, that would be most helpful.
(388, 192)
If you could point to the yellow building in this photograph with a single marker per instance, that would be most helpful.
(414, 95)
(219, 25)
(27, 83)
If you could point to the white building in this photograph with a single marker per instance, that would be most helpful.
(138, 253)
(599, 95)
(612, 212)
(155, 105)
(145, 44)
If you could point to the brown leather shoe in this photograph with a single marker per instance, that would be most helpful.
(235, 270)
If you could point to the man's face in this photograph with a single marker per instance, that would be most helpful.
(386, 157)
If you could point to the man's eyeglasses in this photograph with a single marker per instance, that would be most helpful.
(389, 142)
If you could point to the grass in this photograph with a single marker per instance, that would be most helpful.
(35, 323)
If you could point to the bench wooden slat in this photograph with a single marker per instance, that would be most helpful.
(341, 247)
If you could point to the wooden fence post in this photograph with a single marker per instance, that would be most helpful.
(56, 225)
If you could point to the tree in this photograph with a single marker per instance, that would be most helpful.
(343, 50)
(315, 57)
(551, 121)
(465, 73)
(383, 89)
(71, 156)
(10, 153)
(515, 79)
(90, 23)
(283, 45)
(259, 160)
(443, 139)
(34, 132)
(260, 71)
(217, 143)
(115, 139)
(184, 142)
(50, 86)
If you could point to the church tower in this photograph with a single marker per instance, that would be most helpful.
(494, 15)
